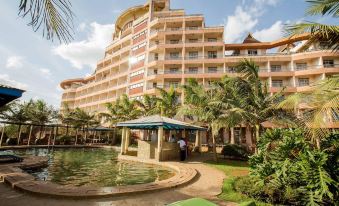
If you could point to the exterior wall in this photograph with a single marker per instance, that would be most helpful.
(178, 47)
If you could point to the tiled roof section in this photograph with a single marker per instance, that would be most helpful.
(157, 120)
(250, 39)
(9, 87)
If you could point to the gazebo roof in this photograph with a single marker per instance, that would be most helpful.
(8, 94)
(155, 121)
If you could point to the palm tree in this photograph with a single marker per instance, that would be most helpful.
(320, 32)
(17, 112)
(168, 104)
(197, 105)
(259, 105)
(41, 113)
(84, 120)
(148, 105)
(319, 108)
(54, 16)
(123, 109)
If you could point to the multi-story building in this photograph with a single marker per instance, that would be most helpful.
(155, 46)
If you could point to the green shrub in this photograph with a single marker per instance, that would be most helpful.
(65, 139)
(290, 170)
(235, 151)
(248, 203)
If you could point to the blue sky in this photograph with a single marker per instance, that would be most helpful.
(29, 61)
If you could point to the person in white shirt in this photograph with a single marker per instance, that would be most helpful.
(182, 145)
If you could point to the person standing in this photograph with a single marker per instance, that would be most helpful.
(182, 145)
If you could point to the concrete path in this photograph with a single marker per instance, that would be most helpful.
(207, 185)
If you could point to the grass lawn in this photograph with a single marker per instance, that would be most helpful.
(233, 169)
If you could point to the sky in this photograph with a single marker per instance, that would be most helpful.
(30, 62)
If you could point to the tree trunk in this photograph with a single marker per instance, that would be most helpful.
(76, 136)
(232, 136)
(257, 136)
(19, 134)
(30, 135)
(67, 130)
(2, 134)
(214, 145)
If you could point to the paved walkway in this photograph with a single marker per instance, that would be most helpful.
(207, 185)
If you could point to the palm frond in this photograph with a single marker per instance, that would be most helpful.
(54, 17)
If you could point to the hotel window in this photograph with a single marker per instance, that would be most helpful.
(232, 70)
(174, 55)
(324, 45)
(212, 70)
(212, 54)
(140, 34)
(156, 56)
(301, 66)
(139, 46)
(212, 39)
(136, 73)
(252, 52)
(328, 63)
(134, 86)
(193, 70)
(193, 40)
(275, 68)
(277, 83)
(173, 84)
(303, 82)
(174, 70)
(193, 55)
(174, 41)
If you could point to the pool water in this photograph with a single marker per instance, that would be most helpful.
(93, 167)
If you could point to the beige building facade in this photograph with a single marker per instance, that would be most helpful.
(155, 46)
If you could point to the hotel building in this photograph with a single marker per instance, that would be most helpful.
(155, 46)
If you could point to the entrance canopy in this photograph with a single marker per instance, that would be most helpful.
(156, 121)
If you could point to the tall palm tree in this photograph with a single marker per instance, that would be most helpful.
(148, 105)
(197, 105)
(42, 113)
(168, 104)
(122, 109)
(318, 31)
(319, 108)
(259, 105)
(17, 112)
(55, 17)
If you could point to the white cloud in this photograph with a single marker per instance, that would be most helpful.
(245, 19)
(238, 24)
(14, 62)
(272, 33)
(82, 26)
(5, 79)
(89, 51)
(45, 73)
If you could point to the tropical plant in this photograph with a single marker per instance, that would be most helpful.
(197, 106)
(320, 32)
(122, 109)
(55, 17)
(148, 105)
(318, 108)
(167, 102)
(288, 169)
(42, 113)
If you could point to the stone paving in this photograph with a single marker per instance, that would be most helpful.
(207, 184)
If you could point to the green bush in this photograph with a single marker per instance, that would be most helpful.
(290, 170)
(64, 139)
(235, 151)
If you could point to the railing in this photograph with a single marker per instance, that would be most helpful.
(194, 71)
(173, 72)
(214, 71)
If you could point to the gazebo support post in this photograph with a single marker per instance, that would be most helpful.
(127, 139)
(56, 134)
(232, 136)
(76, 136)
(160, 140)
(197, 141)
(19, 135)
(123, 140)
(2, 134)
(30, 135)
(248, 136)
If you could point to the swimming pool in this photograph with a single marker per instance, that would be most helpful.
(93, 167)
